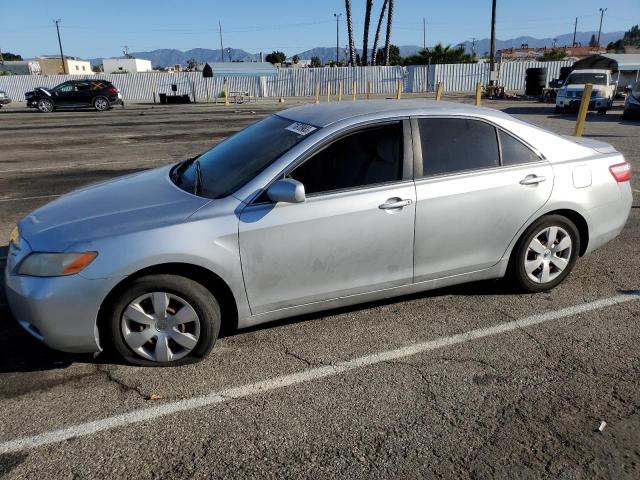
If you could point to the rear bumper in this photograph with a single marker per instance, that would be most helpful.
(608, 220)
(59, 311)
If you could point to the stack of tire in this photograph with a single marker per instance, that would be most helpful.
(535, 81)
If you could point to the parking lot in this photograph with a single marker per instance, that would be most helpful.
(473, 381)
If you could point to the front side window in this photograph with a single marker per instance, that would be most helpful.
(451, 145)
(238, 159)
(515, 152)
(367, 157)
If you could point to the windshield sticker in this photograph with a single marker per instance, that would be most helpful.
(300, 128)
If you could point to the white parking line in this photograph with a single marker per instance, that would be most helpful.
(214, 398)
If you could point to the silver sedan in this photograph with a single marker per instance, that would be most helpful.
(316, 207)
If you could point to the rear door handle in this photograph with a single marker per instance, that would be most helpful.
(393, 204)
(532, 180)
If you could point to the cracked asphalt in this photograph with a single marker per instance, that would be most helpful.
(523, 404)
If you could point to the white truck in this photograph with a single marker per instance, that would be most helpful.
(570, 94)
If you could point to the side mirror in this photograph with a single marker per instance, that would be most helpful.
(287, 190)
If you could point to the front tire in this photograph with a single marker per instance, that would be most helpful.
(545, 254)
(45, 105)
(164, 320)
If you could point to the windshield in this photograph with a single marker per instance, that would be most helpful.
(584, 78)
(235, 161)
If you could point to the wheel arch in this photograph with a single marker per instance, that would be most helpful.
(210, 280)
(579, 221)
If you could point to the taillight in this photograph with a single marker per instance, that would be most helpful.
(621, 172)
(112, 90)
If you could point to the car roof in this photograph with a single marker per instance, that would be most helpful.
(326, 114)
(591, 70)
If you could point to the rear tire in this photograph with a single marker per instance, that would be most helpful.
(545, 254)
(143, 334)
(101, 104)
(602, 111)
(559, 109)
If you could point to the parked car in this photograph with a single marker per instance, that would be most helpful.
(73, 94)
(570, 95)
(632, 103)
(316, 207)
(4, 99)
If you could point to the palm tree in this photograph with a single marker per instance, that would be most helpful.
(374, 52)
(365, 40)
(387, 43)
(352, 47)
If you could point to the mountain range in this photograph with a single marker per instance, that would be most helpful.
(164, 57)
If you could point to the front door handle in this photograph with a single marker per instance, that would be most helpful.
(394, 204)
(532, 180)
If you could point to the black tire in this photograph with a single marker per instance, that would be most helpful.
(602, 111)
(45, 105)
(101, 104)
(199, 298)
(559, 109)
(517, 267)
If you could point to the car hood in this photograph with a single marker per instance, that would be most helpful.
(135, 202)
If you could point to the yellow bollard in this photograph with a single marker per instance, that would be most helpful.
(226, 93)
(317, 92)
(340, 91)
(584, 107)
(478, 93)
(328, 92)
(439, 92)
(398, 89)
(368, 89)
(354, 91)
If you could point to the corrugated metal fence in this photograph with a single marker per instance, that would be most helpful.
(299, 81)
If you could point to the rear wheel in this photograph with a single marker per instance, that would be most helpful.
(45, 105)
(559, 109)
(164, 320)
(101, 104)
(546, 253)
(602, 111)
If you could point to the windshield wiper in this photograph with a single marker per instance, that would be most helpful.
(197, 181)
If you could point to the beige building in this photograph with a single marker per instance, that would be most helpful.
(51, 65)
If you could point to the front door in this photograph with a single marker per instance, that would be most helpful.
(352, 234)
(477, 187)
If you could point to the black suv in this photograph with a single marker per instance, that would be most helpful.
(99, 94)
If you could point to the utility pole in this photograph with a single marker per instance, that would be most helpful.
(575, 29)
(229, 54)
(337, 15)
(602, 10)
(64, 67)
(221, 47)
(492, 52)
(424, 34)
(474, 40)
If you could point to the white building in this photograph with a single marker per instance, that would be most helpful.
(126, 65)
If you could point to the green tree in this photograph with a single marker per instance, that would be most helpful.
(316, 62)
(439, 54)
(98, 69)
(631, 37)
(10, 57)
(394, 55)
(296, 59)
(192, 64)
(592, 41)
(553, 55)
(276, 57)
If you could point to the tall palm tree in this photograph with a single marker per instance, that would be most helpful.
(365, 40)
(387, 43)
(374, 52)
(352, 47)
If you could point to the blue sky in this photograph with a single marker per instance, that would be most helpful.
(292, 26)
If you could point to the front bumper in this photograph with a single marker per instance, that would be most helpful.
(4, 100)
(571, 103)
(61, 312)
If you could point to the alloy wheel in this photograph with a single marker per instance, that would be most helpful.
(45, 106)
(548, 254)
(160, 326)
(101, 104)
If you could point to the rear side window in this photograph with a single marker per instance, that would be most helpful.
(451, 145)
(367, 157)
(515, 152)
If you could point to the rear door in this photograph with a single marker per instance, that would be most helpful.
(476, 186)
(352, 234)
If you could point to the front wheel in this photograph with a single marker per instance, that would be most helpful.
(164, 320)
(101, 104)
(546, 253)
(45, 105)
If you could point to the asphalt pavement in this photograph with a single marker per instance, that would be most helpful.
(473, 381)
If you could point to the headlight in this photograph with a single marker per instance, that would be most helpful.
(14, 236)
(55, 264)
